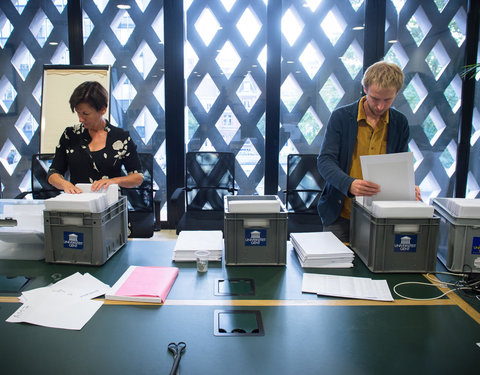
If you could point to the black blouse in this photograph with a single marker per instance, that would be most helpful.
(72, 153)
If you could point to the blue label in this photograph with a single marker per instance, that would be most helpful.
(405, 243)
(255, 237)
(73, 240)
(476, 245)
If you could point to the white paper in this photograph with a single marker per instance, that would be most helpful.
(346, 287)
(393, 172)
(66, 304)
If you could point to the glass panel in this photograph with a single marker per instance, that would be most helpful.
(473, 179)
(224, 52)
(431, 94)
(131, 40)
(322, 60)
(32, 33)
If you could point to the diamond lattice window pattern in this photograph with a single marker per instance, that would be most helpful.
(87, 27)
(248, 92)
(415, 93)
(124, 92)
(417, 154)
(288, 148)
(292, 26)
(157, 25)
(122, 26)
(26, 125)
(311, 59)
(441, 4)
(419, 26)
(142, 4)
(159, 92)
(453, 93)
(19, 5)
(249, 25)
(6, 29)
(190, 58)
(332, 92)
(61, 55)
(101, 4)
(290, 92)
(398, 5)
(248, 157)
(310, 125)
(207, 26)
(262, 58)
(352, 59)
(447, 158)
(396, 54)
(438, 59)
(144, 59)
(103, 55)
(145, 125)
(23, 61)
(228, 59)
(433, 126)
(473, 189)
(7, 94)
(430, 187)
(228, 125)
(458, 26)
(333, 25)
(475, 127)
(41, 27)
(313, 4)
(207, 92)
(356, 4)
(9, 156)
(228, 4)
(60, 5)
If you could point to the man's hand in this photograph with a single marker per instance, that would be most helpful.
(418, 195)
(363, 188)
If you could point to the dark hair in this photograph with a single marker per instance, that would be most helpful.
(90, 92)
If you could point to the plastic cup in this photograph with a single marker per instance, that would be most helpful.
(201, 257)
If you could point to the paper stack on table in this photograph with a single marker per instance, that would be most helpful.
(346, 286)
(189, 241)
(66, 304)
(321, 250)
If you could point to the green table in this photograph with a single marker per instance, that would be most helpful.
(304, 334)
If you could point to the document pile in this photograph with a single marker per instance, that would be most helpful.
(143, 284)
(66, 304)
(87, 201)
(190, 241)
(346, 286)
(321, 250)
(462, 207)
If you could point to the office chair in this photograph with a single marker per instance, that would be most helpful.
(40, 189)
(141, 204)
(304, 186)
(209, 176)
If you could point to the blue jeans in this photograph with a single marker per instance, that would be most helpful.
(340, 228)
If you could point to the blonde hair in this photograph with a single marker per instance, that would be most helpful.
(383, 74)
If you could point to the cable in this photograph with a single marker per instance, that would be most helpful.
(426, 284)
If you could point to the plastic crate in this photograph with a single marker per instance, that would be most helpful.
(394, 245)
(85, 237)
(255, 238)
(459, 240)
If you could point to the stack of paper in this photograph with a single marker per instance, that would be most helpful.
(66, 304)
(463, 207)
(401, 209)
(321, 250)
(346, 286)
(144, 284)
(189, 241)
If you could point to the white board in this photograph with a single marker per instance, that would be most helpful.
(59, 81)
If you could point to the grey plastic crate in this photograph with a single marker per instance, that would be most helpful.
(459, 240)
(85, 237)
(394, 245)
(255, 239)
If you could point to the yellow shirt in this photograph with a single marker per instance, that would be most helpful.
(370, 141)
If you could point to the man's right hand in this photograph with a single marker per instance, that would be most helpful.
(363, 188)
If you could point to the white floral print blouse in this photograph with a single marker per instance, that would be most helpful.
(72, 154)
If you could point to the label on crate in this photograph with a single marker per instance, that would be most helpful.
(73, 240)
(255, 237)
(476, 245)
(405, 243)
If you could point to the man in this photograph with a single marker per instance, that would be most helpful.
(367, 127)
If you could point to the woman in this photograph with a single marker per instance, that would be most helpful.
(94, 151)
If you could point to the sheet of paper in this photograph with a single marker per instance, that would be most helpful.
(393, 172)
(346, 287)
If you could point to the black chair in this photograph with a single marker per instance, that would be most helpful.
(209, 176)
(41, 189)
(141, 204)
(304, 186)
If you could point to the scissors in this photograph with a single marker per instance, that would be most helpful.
(177, 351)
